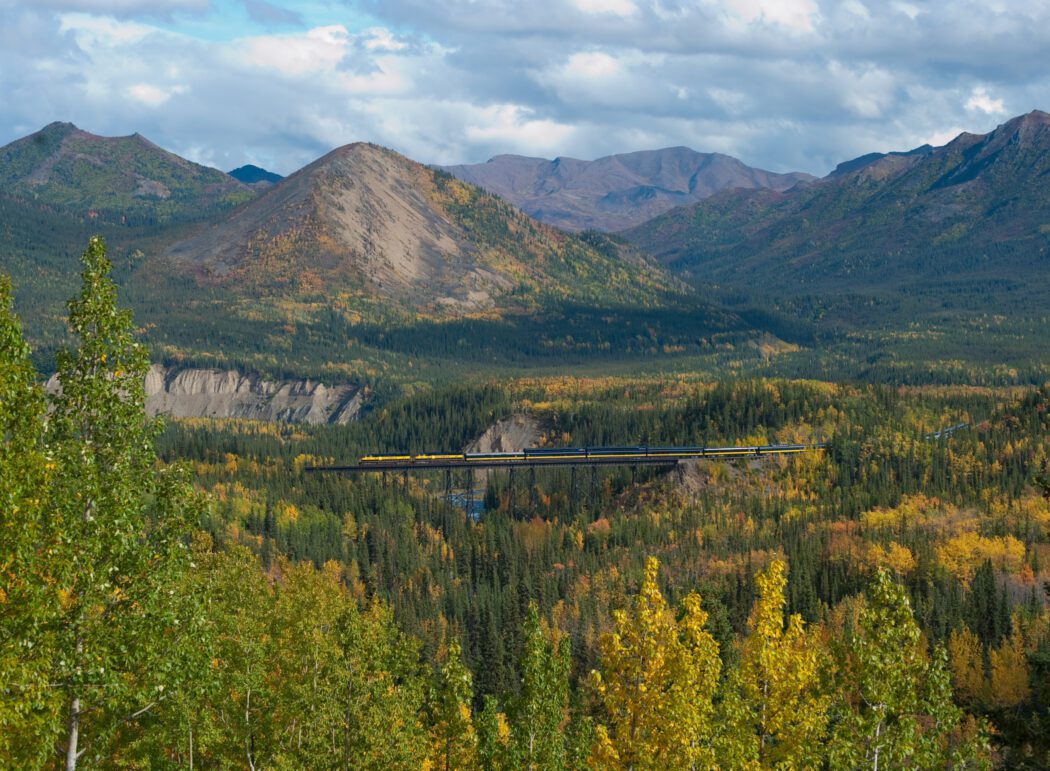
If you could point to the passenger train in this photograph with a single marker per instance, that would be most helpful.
(589, 453)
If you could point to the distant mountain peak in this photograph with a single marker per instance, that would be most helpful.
(251, 174)
(121, 180)
(973, 210)
(615, 191)
(371, 222)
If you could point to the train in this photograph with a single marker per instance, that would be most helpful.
(588, 453)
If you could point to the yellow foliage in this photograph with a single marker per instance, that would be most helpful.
(965, 552)
(780, 671)
(657, 682)
(1008, 683)
(894, 557)
(966, 664)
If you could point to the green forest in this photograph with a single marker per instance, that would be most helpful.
(189, 595)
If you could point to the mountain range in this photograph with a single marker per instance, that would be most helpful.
(618, 191)
(974, 211)
(369, 257)
(251, 174)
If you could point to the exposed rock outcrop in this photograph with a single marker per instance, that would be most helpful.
(511, 434)
(216, 393)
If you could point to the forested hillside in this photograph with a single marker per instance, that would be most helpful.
(114, 180)
(880, 599)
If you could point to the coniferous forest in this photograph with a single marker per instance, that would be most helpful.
(189, 595)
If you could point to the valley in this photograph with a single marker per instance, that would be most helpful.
(369, 306)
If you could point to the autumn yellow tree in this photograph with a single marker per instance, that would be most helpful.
(780, 677)
(1008, 682)
(656, 685)
(967, 666)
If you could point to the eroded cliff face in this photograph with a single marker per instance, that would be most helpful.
(511, 434)
(216, 393)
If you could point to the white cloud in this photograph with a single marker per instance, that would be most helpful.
(381, 39)
(127, 7)
(592, 65)
(797, 15)
(780, 83)
(980, 101)
(867, 92)
(515, 127)
(154, 96)
(93, 31)
(909, 10)
(942, 136)
(614, 7)
(316, 51)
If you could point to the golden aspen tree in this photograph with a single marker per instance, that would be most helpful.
(967, 666)
(1008, 684)
(656, 685)
(780, 674)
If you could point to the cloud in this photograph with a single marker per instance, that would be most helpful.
(515, 128)
(781, 84)
(314, 52)
(615, 7)
(980, 101)
(154, 96)
(797, 15)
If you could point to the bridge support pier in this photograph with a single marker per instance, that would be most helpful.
(533, 500)
(512, 499)
(594, 490)
(574, 492)
(470, 492)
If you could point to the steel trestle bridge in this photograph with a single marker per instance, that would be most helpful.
(562, 456)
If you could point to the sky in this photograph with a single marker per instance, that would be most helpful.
(781, 84)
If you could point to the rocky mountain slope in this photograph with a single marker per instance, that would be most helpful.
(973, 215)
(617, 191)
(368, 223)
(123, 180)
